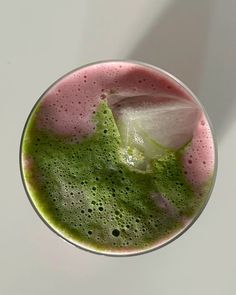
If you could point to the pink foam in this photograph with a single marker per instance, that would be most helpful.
(198, 161)
(67, 107)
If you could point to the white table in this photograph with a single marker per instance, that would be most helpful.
(40, 41)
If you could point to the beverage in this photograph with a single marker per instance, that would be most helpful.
(118, 157)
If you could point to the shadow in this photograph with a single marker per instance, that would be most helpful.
(178, 41)
(217, 91)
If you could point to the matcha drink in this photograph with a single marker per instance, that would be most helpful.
(118, 157)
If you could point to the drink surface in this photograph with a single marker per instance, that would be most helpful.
(118, 157)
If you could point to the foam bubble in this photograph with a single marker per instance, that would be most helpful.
(115, 232)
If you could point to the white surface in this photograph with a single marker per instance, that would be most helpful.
(41, 40)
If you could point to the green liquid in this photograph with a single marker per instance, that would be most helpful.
(92, 197)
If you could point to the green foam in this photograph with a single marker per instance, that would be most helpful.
(86, 191)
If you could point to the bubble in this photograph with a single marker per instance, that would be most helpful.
(115, 232)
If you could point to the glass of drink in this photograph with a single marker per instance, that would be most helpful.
(118, 157)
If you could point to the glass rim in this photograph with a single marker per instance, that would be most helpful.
(173, 236)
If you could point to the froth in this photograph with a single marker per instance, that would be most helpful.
(67, 107)
(86, 189)
(198, 160)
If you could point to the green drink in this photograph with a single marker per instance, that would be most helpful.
(118, 158)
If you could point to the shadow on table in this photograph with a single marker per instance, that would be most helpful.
(178, 41)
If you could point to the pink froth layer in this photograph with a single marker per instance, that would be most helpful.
(198, 161)
(67, 107)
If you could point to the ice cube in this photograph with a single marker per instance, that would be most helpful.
(156, 128)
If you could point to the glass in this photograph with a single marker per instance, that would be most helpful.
(176, 234)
